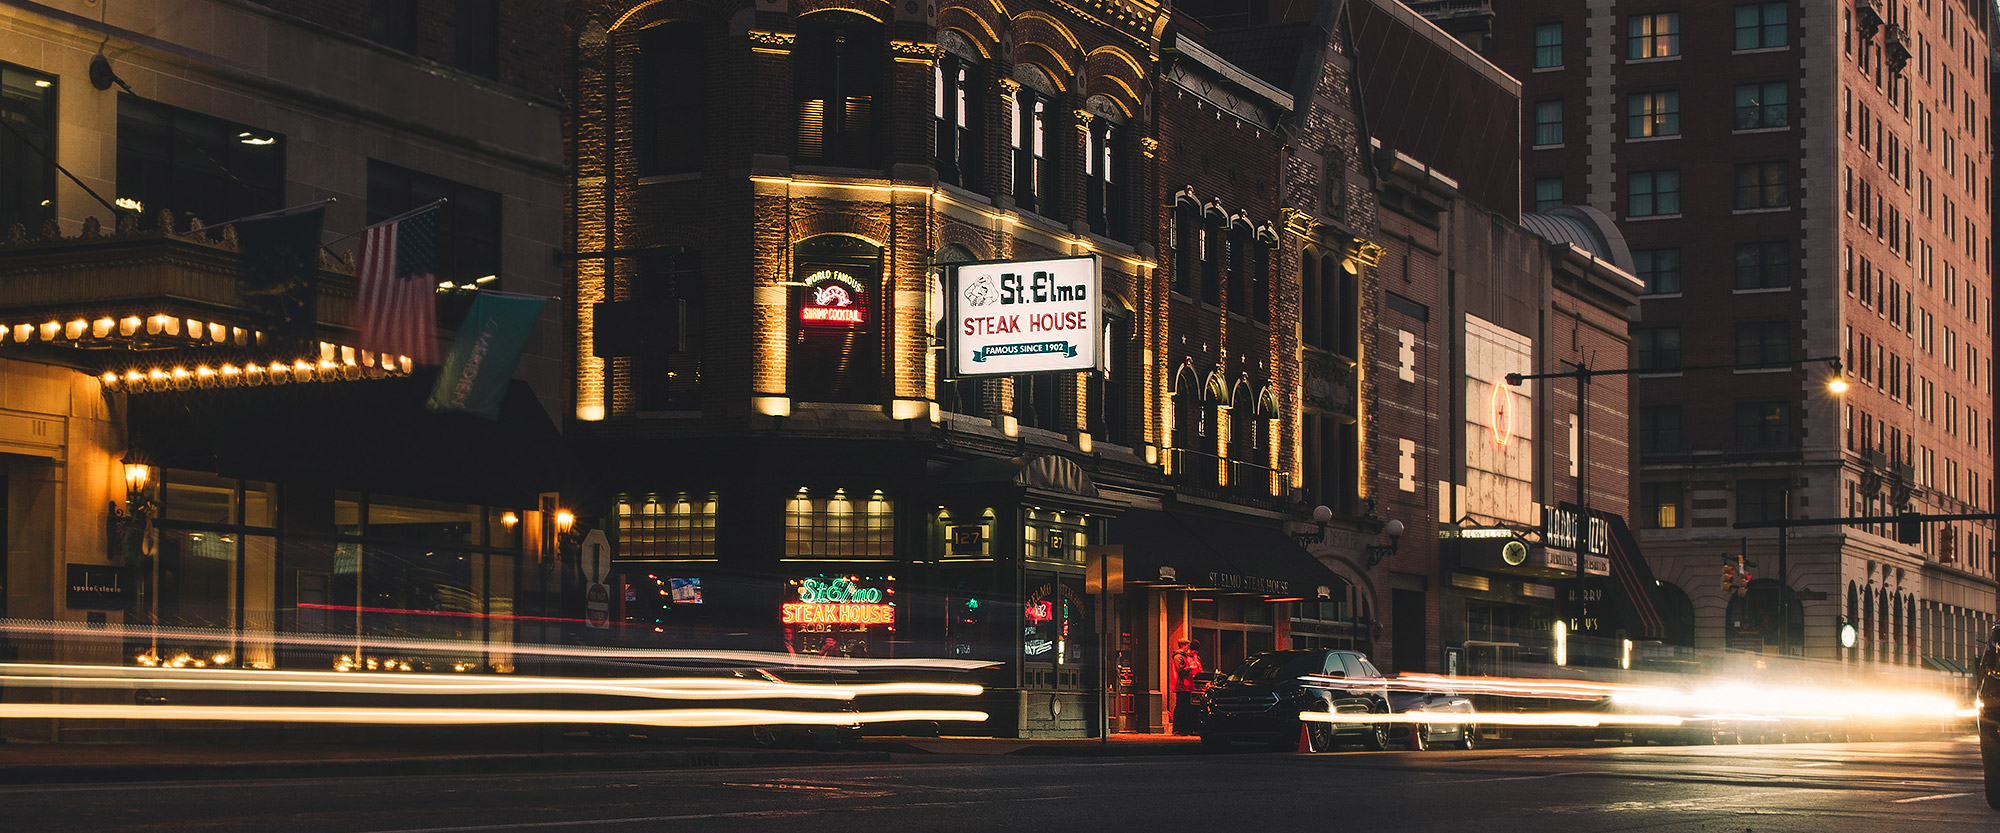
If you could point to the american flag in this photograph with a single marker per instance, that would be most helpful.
(395, 304)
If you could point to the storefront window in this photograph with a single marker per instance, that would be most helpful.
(679, 526)
(347, 513)
(836, 527)
(191, 595)
(839, 616)
(1055, 536)
(413, 519)
(260, 503)
(1054, 627)
(197, 496)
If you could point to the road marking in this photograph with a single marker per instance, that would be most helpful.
(698, 816)
(1928, 798)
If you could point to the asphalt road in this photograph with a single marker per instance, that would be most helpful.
(1850, 788)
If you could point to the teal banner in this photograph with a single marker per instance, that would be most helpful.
(475, 374)
(1032, 348)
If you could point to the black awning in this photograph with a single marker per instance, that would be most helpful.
(1633, 589)
(368, 435)
(1173, 548)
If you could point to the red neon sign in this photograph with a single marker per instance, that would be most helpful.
(1041, 611)
(842, 316)
(806, 613)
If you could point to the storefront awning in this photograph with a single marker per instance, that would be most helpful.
(1945, 664)
(1177, 549)
(373, 435)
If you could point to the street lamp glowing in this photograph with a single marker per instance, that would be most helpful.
(1838, 385)
(564, 520)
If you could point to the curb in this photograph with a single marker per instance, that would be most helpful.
(445, 765)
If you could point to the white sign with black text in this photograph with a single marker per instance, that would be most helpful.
(1026, 316)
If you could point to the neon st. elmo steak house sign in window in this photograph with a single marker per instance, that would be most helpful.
(1026, 316)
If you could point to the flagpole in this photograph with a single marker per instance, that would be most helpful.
(282, 212)
(398, 218)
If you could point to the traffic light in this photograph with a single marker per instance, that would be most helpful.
(1742, 577)
(1728, 578)
(1909, 528)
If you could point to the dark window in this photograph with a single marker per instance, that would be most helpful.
(1657, 349)
(956, 115)
(839, 69)
(1038, 400)
(477, 36)
(1760, 500)
(1104, 173)
(1763, 265)
(468, 231)
(666, 376)
(1548, 193)
(1660, 505)
(1651, 115)
(1331, 448)
(838, 363)
(1186, 244)
(1761, 26)
(1763, 185)
(1549, 122)
(672, 117)
(1763, 424)
(1656, 35)
(1548, 45)
(1034, 147)
(1261, 254)
(1653, 193)
(27, 151)
(189, 163)
(1660, 429)
(1214, 245)
(1347, 340)
(1660, 269)
(1312, 302)
(1763, 342)
(1240, 244)
(1110, 408)
(393, 23)
(1763, 105)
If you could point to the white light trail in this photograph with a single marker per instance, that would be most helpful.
(683, 718)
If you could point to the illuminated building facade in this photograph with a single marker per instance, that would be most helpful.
(169, 461)
(1843, 180)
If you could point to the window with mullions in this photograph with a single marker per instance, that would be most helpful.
(1035, 143)
(1262, 251)
(953, 395)
(1763, 425)
(1660, 429)
(837, 361)
(1548, 45)
(1312, 301)
(1104, 174)
(1763, 105)
(1055, 536)
(1652, 115)
(1038, 400)
(1659, 269)
(1763, 342)
(1763, 185)
(1659, 505)
(1548, 192)
(1186, 244)
(1764, 265)
(192, 164)
(1761, 26)
(28, 150)
(1110, 392)
(838, 76)
(955, 116)
(1657, 349)
(1548, 123)
(1653, 193)
(672, 526)
(1653, 35)
(1214, 245)
(672, 111)
(1761, 500)
(468, 257)
(1241, 244)
(839, 526)
(667, 294)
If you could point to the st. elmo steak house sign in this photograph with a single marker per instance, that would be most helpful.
(1026, 316)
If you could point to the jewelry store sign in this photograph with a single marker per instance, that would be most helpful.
(1026, 316)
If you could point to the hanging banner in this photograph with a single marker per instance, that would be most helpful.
(1026, 316)
(475, 374)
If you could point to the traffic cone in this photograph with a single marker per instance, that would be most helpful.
(1306, 737)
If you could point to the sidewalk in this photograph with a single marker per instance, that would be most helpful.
(43, 763)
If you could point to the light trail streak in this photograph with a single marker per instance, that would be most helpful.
(1572, 719)
(767, 659)
(677, 718)
(669, 688)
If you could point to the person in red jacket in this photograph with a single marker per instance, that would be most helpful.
(1186, 665)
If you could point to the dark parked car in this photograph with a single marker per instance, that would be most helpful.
(1988, 703)
(1421, 736)
(1262, 699)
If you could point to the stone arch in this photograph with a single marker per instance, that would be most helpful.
(816, 223)
(971, 240)
(1112, 73)
(881, 11)
(975, 31)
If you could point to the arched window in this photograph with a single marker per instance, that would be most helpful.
(1214, 231)
(1186, 244)
(671, 116)
(1190, 426)
(667, 299)
(838, 66)
(957, 111)
(1110, 392)
(1261, 255)
(958, 396)
(836, 321)
(1312, 316)
(1037, 150)
(1104, 169)
(1239, 267)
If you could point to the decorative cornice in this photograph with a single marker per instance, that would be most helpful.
(1367, 252)
(915, 52)
(1149, 146)
(1301, 221)
(772, 43)
(1008, 87)
(1083, 118)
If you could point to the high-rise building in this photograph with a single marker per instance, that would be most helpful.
(1806, 191)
